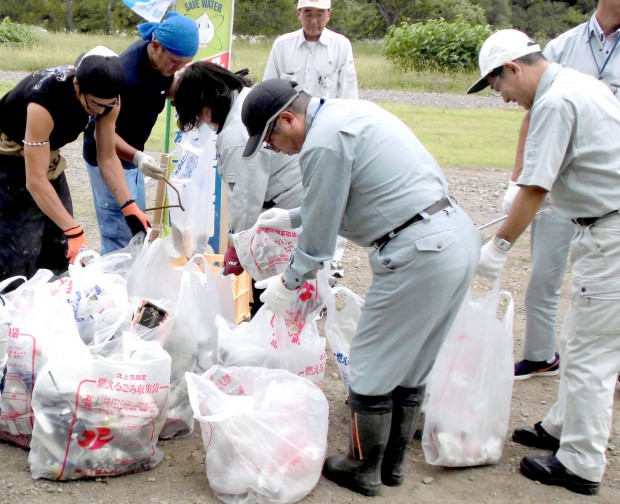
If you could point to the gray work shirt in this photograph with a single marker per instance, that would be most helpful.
(585, 48)
(268, 177)
(572, 147)
(364, 172)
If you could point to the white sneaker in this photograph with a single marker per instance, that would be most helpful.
(337, 270)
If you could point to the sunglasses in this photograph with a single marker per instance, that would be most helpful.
(95, 105)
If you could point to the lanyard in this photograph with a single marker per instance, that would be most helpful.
(601, 70)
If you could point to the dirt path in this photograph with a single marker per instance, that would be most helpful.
(181, 479)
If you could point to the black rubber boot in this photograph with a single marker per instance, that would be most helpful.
(405, 415)
(360, 470)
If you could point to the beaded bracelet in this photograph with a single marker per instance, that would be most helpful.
(35, 144)
(127, 203)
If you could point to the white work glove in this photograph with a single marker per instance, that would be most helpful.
(509, 197)
(148, 166)
(276, 297)
(492, 261)
(275, 218)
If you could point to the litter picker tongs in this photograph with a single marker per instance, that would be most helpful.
(543, 208)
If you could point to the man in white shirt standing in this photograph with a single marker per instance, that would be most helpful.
(322, 62)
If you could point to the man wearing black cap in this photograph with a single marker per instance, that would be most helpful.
(368, 178)
(45, 111)
(149, 66)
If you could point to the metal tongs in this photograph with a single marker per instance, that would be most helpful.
(543, 208)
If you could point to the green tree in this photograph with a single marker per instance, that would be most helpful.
(544, 20)
(395, 11)
(498, 12)
(357, 19)
(265, 17)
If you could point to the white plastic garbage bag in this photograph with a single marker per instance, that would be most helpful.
(264, 432)
(100, 415)
(41, 326)
(341, 325)
(470, 386)
(264, 252)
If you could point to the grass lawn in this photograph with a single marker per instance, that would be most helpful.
(467, 138)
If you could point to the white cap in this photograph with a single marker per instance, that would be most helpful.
(500, 48)
(314, 4)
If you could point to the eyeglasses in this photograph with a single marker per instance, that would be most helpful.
(104, 107)
(267, 142)
(497, 73)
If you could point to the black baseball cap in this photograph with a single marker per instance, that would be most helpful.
(100, 73)
(262, 106)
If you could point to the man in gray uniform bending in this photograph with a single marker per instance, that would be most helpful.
(368, 178)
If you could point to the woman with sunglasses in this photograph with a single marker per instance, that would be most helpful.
(207, 93)
(45, 111)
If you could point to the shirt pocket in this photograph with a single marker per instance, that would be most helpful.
(597, 306)
(327, 76)
(290, 74)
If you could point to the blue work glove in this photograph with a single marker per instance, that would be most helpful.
(492, 261)
(276, 297)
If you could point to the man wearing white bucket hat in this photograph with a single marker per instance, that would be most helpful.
(572, 158)
(321, 61)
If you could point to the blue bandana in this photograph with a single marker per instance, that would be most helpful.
(177, 34)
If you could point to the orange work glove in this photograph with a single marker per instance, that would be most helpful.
(76, 242)
(136, 219)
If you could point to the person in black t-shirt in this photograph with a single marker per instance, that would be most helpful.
(46, 110)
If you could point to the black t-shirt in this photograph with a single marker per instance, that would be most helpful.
(53, 89)
(142, 99)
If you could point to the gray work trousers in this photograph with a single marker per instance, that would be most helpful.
(420, 278)
(549, 245)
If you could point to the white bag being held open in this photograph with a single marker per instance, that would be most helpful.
(470, 387)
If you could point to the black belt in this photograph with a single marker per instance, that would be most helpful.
(438, 206)
(588, 221)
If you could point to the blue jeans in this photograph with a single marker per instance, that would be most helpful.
(115, 233)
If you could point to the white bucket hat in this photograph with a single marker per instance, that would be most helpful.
(500, 48)
(314, 4)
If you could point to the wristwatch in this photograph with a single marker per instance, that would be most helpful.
(500, 243)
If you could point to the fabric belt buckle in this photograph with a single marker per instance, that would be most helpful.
(436, 207)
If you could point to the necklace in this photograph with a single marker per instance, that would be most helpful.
(600, 69)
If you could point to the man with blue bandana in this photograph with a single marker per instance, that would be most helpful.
(150, 65)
